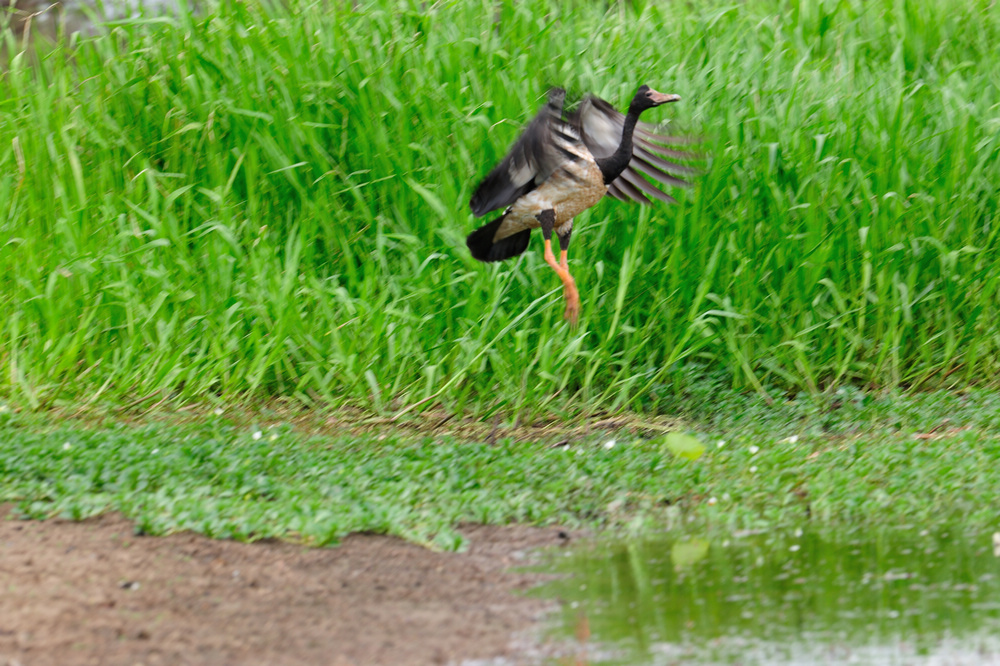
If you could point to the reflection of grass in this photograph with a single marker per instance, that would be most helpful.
(859, 463)
(262, 201)
(872, 596)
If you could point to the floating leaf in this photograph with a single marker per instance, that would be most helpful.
(684, 446)
(688, 553)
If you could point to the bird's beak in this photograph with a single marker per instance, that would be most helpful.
(661, 98)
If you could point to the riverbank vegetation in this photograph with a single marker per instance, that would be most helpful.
(862, 462)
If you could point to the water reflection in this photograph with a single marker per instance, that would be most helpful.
(897, 597)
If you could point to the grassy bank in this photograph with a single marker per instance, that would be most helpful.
(859, 462)
(262, 201)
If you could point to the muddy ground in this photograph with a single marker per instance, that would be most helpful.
(94, 593)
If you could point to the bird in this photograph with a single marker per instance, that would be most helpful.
(564, 163)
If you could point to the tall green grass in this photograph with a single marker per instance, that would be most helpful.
(260, 201)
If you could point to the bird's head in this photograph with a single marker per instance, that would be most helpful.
(647, 98)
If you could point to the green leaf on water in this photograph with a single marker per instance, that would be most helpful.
(684, 446)
(687, 553)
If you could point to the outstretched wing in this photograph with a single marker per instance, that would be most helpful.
(529, 162)
(600, 126)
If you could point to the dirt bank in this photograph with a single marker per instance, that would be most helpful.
(94, 593)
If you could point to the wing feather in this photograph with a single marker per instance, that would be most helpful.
(616, 193)
(644, 167)
(645, 186)
(630, 191)
(530, 161)
(600, 127)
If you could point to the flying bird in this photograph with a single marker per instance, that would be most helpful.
(564, 163)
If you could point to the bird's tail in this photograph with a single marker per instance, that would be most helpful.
(483, 247)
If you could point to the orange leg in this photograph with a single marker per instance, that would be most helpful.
(570, 292)
(569, 284)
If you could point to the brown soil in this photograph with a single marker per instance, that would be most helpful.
(93, 593)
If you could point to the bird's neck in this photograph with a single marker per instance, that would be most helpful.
(612, 166)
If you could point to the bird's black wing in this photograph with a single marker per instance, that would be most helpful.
(531, 160)
(600, 126)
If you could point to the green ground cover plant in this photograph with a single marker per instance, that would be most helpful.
(262, 200)
(859, 462)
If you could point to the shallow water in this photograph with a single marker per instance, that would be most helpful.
(894, 597)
